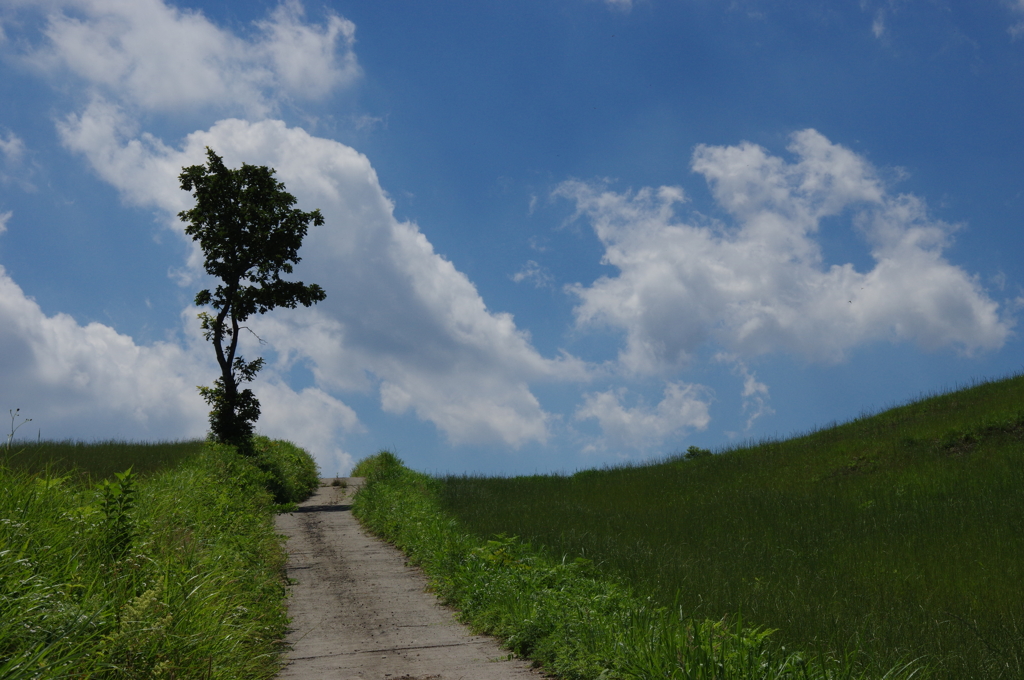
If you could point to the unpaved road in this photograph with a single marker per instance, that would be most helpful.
(359, 613)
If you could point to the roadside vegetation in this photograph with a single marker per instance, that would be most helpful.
(168, 568)
(893, 538)
(564, 612)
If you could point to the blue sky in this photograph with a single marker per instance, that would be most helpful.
(559, 235)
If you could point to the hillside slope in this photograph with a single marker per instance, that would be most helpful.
(894, 536)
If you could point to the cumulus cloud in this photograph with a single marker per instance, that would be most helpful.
(155, 56)
(310, 418)
(761, 285)
(304, 58)
(87, 381)
(683, 407)
(398, 317)
(90, 381)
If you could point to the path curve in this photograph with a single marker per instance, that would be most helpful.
(358, 612)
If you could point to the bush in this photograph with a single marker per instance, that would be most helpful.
(384, 465)
(696, 452)
(291, 473)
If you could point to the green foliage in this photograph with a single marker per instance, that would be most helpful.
(291, 473)
(896, 536)
(565, 614)
(696, 452)
(232, 418)
(177, 574)
(383, 465)
(118, 504)
(250, 234)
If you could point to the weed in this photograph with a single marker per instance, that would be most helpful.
(15, 414)
(117, 505)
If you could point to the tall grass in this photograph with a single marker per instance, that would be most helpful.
(896, 536)
(177, 574)
(564, 614)
(98, 459)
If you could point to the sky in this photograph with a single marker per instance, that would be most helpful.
(560, 234)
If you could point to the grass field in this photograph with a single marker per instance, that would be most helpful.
(894, 537)
(565, 615)
(174, 573)
(98, 459)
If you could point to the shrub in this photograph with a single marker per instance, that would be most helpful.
(384, 465)
(696, 452)
(291, 473)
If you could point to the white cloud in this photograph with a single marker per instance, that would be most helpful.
(304, 56)
(878, 24)
(1017, 29)
(311, 419)
(683, 407)
(398, 316)
(90, 381)
(108, 136)
(755, 394)
(762, 285)
(4, 219)
(755, 397)
(149, 54)
(882, 13)
(13, 161)
(369, 123)
(533, 272)
(12, 148)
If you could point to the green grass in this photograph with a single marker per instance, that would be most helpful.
(175, 574)
(896, 536)
(97, 459)
(291, 473)
(564, 614)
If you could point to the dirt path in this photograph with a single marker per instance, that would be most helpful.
(358, 612)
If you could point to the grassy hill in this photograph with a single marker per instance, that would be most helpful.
(144, 561)
(893, 537)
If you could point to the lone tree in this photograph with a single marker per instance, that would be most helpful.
(250, 234)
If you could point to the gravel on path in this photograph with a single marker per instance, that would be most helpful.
(358, 612)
